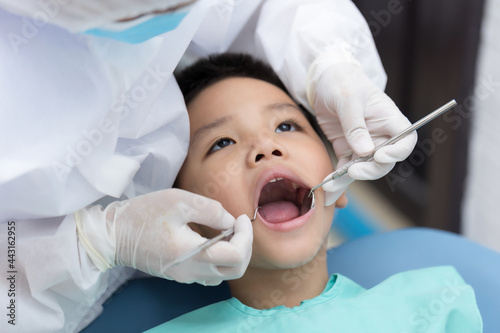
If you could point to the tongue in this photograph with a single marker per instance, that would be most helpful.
(280, 211)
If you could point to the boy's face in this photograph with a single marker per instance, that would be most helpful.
(252, 146)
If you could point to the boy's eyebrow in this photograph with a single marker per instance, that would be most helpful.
(281, 106)
(216, 123)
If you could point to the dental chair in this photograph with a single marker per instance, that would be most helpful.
(145, 303)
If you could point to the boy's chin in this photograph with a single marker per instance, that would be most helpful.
(288, 260)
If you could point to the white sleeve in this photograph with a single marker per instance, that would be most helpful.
(51, 283)
(80, 121)
(291, 35)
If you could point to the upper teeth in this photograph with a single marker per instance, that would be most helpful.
(294, 185)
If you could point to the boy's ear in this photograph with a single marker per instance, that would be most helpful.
(341, 201)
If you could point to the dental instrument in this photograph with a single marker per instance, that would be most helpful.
(207, 244)
(308, 203)
(342, 171)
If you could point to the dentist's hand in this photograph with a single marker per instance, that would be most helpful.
(150, 231)
(356, 115)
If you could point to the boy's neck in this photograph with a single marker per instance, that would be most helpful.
(265, 289)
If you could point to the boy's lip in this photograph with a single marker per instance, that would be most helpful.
(277, 172)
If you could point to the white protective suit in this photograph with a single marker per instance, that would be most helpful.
(85, 119)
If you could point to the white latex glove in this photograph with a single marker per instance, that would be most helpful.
(356, 115)
(150, 231)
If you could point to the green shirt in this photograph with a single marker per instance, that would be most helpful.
(425, 300)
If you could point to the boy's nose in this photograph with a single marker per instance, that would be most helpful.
(275, 152)
(266, 150)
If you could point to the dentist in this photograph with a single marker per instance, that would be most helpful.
(94, 130)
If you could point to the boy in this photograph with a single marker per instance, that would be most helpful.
(246, 130)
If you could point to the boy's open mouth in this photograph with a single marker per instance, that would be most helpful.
(281, 199)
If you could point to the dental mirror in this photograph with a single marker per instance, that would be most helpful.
(308, 203)
(255, 214)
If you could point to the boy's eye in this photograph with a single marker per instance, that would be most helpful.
(221, 143)
(286, 127)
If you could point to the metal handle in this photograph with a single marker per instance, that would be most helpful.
(343, 170)
(192, 253)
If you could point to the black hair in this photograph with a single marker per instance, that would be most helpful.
(206, 71)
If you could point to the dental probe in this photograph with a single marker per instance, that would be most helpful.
(342, 171)
(207, 244)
